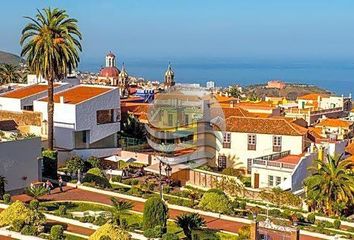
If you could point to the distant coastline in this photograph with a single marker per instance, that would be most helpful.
(337, 77)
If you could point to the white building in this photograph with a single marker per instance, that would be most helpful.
(247, 138)
(20, 162)
(210, 84)
(22, 98)
(86, 120)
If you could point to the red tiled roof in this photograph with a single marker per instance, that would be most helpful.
(312, 96)
(275, 126)
(79, 94)
(350, 148)
(24, 92)
(328, 122)
(292, 159)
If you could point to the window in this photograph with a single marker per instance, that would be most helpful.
(227, 140)
(170, 119)
(249, 165)
(270, 181)
(186, 119)
(276, 143)
(252, 142)
(277, 181)
(84, 137)
(105, 116)
(222, 161)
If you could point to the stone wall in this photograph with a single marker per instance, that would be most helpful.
(22, 118)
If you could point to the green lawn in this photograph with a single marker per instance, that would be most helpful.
(72, 237)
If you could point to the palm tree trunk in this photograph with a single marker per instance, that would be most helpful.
(50, 114)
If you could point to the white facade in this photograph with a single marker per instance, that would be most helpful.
(264, 146)
(286, 176)
(76, 127)
(17, 104)
(20, 162)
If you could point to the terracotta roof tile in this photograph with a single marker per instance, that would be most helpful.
(275, 126)
(79, 94)
(312, 96)
(329, 122)
(24, 92)
(350, 148)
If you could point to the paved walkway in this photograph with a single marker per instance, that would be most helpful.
(82, 195)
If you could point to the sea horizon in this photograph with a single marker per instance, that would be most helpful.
(335, 76)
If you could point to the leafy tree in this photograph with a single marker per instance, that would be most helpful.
(215, 201)
(110, 231)
(120, 208)
(9, 74)
(94, 162)
(36, 191)
(51, 44)
(74, 164)
(155, 213)
(189, 222)
(3, 182)
(331, 187)
(235, 92)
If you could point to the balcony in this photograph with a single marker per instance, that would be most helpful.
(251, 147)
(276, 148)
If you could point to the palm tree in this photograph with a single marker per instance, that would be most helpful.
(51, 45)
(36, 191)
(330, 184)
(3, 181)
(120, 208)
(9, 73)
(189, 222)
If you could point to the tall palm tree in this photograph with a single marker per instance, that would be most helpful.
(331, 183)
(51, 45)
(120, 208)
(9, 73)
(189, 222)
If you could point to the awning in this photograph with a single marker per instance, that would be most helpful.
(115, 158)
(174, 168)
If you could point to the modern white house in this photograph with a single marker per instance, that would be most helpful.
(86, 120)
(22, 98)
(20, 162)
(247, 138)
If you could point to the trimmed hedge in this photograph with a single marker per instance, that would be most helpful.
(96, 176)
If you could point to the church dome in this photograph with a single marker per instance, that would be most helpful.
(109, 72)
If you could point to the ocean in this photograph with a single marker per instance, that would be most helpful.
(336, 76)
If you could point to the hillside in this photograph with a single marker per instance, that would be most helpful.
(9, 58)
(291, 91)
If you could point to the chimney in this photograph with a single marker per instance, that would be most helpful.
(61, 99)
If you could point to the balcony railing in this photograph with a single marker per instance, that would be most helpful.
(273, 164)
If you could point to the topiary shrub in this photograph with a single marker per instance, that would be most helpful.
(62, 210)
(155, 232)
(110, 231)
(170, 236)
(96, 176)
(74, 164)
(29, 230)
(50, 164)
(337, 223)
(7, 198)
(57, 232)
(34, 204)
(215, 201)
(311, 218)
(155, 214)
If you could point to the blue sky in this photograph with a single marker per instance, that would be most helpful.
(204, 29)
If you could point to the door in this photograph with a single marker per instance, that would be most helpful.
(256, 180)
